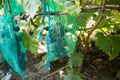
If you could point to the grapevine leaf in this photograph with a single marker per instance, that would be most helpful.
(30, 43)
(98, 1)
(82, 18)
(115, 42)
(118, 75)
(37, 20)
(103, 43)
(109, 44)
(116, 16)
(76, 59)
(113, 2)
(72, 76)
(103, 23)
(69, 76)
(35, 33)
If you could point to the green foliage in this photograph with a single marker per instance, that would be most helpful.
(118, 75)
(83, 18)
(74, 7)
(73, 75)
(116, 15)
(30, 43)
(114, 41)
(1, 3)
(76, 59)
(103, 43)
(109, 44)
(98, 1)
(113, 2)
(37, 20)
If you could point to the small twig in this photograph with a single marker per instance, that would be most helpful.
(31, 20)
(54, 72)
(107, 7)
(98, 22)
(51, 13)
(79, 43)
(84, 9)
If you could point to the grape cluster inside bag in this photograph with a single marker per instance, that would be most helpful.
(61, 37)
(11, 44)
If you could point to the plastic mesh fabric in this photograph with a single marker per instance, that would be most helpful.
(11, 44)
(8, 44)
(62, 33)
(16, 7)
(47, 8)
(21, 51)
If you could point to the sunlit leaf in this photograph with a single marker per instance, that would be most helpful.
(98, 1)
(30, 43)
(109, 44)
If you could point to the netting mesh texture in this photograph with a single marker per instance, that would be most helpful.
(11, 44)
(62, 33)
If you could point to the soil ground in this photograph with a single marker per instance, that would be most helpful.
(96, 66)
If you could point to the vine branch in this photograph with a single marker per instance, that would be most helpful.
(35, 25)
(107, 7)
(85, 9)
(98, 21)
(49, 75)
(51, 13)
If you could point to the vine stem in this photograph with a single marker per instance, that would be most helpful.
(97, 23)
(107, 7)
(35, 25)
(49, 75)
(51, 13)
(84, 9)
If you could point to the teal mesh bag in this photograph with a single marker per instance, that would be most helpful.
(15, 5)
(21, 51)
(11, 44)
(63, 37)
(8, 44)
(62, 33)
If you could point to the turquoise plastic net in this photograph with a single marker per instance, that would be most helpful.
(62, 35)
(47, 8)
(15, 5)
(11, 44)
(8, 44)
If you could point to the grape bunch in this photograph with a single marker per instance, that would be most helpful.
(58, 42)
(21, 53)
(16, 28)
